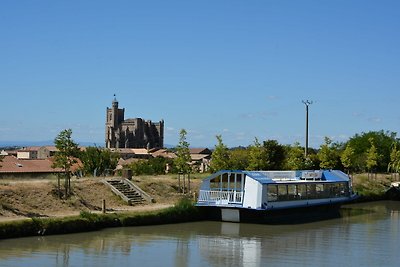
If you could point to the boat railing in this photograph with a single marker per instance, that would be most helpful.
(220, 197)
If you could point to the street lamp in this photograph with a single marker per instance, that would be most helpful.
(306, 103)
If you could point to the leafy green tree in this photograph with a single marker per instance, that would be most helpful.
(295, 159)
(96, 160)
(372, 156)
(312, 161)
(182, 160)
(394, 165)
(220, 156)
(275, 155)
(383, 142)
(152, 166)
(257, 157)
(329, 155)
(65, 157)
(347, 157)
(268, 156)
(239, 158)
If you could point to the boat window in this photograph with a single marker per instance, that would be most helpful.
(236, 183)
(272, 192)
(327, 191)
(311, 191)
(215, 183)
(225, 181)
(302, 191)
(282, 192)
(228, 182)
(343, 190)
(292, 192)
(319, 190)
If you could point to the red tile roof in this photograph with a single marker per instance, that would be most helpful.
(200, 151)
(11, 164)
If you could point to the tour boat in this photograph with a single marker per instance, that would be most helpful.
(274, 196)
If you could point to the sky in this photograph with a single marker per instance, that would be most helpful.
(239, 69)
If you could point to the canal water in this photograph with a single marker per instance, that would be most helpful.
(366, 234)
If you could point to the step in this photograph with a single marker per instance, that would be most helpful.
(130, 193)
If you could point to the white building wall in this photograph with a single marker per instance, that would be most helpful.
(23, 155)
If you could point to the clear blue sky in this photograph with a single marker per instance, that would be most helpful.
(235, 68)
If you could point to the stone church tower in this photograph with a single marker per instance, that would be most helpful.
(131, 133)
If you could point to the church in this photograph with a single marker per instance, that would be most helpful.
(131, 133)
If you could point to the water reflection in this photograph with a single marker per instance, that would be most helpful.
(367, 234)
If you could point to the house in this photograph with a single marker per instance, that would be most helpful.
(127, 153)
(36, 152)
(200, 159)
(14, 167)
(204, 151)
(163, 153)
(27, 154)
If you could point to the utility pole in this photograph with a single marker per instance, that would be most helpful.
(306, 103)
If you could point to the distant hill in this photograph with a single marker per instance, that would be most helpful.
(25, 143)
(41, 143)
(6, 144)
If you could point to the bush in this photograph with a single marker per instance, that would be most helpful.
(18, 229)
(152, 166)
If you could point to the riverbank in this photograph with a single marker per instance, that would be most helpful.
(32, 206)
(34, 198)
(372, 187)
(183, 211)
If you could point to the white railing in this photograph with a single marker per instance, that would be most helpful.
(220, 197)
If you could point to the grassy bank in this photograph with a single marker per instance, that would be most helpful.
(372, 187)
(183, 211)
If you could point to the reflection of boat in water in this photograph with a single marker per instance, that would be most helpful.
(274, 196)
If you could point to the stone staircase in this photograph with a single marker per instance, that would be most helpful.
(129, 192)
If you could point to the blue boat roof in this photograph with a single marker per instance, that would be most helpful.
(268, 177)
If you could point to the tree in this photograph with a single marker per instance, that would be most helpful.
(257, 157)
(65, 157)
(151, 166)
(372, 157)
(220, 156)
(96, 160)
(329, 155)
(275, 155)
(347, 157)
(182, 160)
(295, 159)
(394, 165)
(239, 158)
(383, 142)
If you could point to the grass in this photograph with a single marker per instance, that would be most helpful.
(373, 187)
